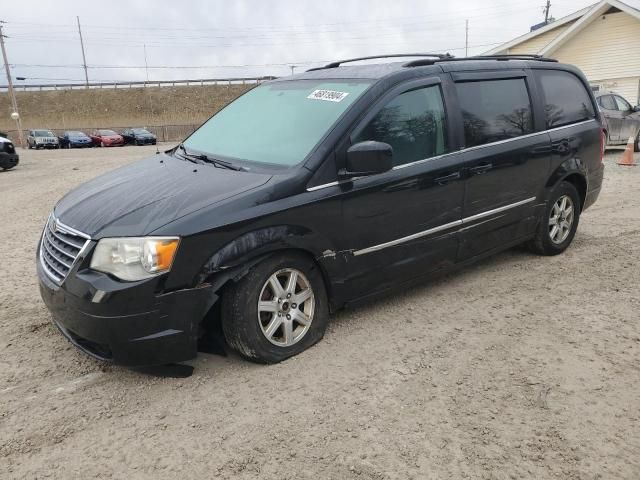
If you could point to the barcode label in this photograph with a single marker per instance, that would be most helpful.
(328, 95)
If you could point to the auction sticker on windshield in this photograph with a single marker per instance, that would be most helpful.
(328, 95)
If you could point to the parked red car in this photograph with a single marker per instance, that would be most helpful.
(106, 138)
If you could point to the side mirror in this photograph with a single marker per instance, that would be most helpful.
(636, 108)
(367, 158)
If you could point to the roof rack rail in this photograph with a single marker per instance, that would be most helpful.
(524, 56)
(439, 56)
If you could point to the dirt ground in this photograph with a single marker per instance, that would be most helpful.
(517, 367)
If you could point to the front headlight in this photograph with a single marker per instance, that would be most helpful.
(134, 258)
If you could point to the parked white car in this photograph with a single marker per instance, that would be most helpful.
(42, 139)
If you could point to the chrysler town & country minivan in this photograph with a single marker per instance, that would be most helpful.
(316, 191)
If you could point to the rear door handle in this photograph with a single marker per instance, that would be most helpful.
(447, 178)
(482, 168)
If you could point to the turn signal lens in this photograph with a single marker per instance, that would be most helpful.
(158, 254)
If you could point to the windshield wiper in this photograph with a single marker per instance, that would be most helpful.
(214, 161)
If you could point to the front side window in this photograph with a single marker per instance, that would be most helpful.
(623, 105)
(413, 124)
(567, 100)
(276, 123)
(494, 110)
(607, 102)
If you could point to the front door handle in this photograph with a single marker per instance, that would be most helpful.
(447, 178)
(482, 168)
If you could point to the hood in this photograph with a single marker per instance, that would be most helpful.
(111, 137)
(79, 137)
(144, 135)
(144, 196)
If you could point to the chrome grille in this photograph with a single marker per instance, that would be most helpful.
(60, 248)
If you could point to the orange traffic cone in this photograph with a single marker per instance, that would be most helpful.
(627, 156)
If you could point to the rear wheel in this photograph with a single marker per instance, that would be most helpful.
(559, 223)
(277, 310)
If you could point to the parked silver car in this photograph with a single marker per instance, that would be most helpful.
(42, 139)
(622, 121)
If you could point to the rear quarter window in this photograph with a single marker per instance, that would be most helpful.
(566, 99)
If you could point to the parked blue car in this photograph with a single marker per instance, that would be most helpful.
(74, 139)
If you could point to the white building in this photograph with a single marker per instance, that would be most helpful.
(603, 40)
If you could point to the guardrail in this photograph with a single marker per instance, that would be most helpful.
(165, 133)
(142, 84)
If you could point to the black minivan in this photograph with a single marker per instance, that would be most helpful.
(319, 190)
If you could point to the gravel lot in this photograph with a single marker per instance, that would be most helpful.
(518, 367)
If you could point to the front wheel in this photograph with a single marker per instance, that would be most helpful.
(277, 310)
(559, 223)
(636, 145)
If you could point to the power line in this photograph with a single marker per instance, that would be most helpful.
(272, 28)
(199, 67)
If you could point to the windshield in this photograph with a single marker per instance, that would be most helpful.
(141, 131)
(107, 132)
(277, 123)
(43, 133)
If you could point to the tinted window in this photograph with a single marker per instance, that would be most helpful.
(413, 123)
(566, 98)
(494, 110)
(606, 102)
(623, 105)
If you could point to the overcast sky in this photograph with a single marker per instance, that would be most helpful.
(223, 38)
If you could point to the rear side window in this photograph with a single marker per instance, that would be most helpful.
(494, 110)
(566, 98)
(413, 123)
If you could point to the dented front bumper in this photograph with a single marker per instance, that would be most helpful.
(126, 323)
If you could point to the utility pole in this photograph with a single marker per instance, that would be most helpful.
(84, 59)
(547, 8)
(146, 66)
(466, 38)
(14, 104)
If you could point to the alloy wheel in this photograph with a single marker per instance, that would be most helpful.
(285, 307)
(561, 219)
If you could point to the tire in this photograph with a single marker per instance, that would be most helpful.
(245, 325)
(636, 146)
(544, 243)
(29, 145)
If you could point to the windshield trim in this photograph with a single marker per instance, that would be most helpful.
(269, 167)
